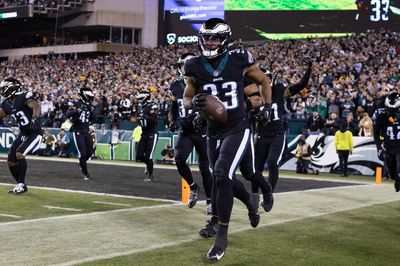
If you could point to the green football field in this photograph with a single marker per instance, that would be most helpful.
(231, 5)
(354, 225)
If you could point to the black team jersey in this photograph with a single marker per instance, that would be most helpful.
(387, 125)
(147, 115)
(225, 81)
(275, 126)
(21, 112)
(178, 111)
(81, 117)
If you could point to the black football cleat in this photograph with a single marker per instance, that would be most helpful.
(193, 197)
(254, 216)
(210, 230)
(268, 202)
(397, 185)
(149, 178)
(215, 253)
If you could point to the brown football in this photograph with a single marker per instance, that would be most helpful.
(214, 111)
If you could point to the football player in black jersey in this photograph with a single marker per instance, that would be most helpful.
(191, 134)
(25, 108)
(387, 125)
(271, 138)
(147, 117)
(220, 73)
(81, 116)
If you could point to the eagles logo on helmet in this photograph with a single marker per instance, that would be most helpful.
(392, 102)
(9, 87)
(143, 97)
(86, 95)
(214, 29)
(181, 62)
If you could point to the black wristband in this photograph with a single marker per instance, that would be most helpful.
(249, 105)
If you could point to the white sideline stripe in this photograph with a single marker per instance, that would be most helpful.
(111, 203)
(134, 251)
(10, 215)
(95, 193)
(61, 208)
(3, 160)
(89, 214)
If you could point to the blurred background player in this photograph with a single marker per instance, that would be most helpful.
(271, 138)
(221, 74)
(26, 110)
(148, 119)
(386, 125)
(81, 116)
(192, 133)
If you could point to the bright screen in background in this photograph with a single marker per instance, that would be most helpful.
(279, 19)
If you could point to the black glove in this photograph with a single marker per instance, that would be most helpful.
(308, 60)
(172, 126)
(198, 122)
(264, 113)
(199, 100)
(35, 124)
(381, 154)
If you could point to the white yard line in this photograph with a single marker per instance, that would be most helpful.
(94, 193)
(10, 215)
(112, 203)
(61, 208)
(39, 220)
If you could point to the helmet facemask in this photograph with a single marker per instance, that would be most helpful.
(392, 102)
(86, 96)
(214, 38)
(9, 87)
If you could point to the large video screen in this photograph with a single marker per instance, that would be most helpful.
(278, 19)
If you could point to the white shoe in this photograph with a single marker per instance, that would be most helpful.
(19, 189)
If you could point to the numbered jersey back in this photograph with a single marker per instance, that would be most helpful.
(388, 126)
(21, 112)
(82, 119)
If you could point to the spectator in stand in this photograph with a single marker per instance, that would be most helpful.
(300, 107)
(351, 124)
(311, 103)
(348, 105)
(332, 124)
(315, 123)
(365, 126)
(333, 103)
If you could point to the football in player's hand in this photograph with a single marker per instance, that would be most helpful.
(214, 110)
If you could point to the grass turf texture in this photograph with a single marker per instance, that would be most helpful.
(290, 5)
(30, 204)
(365, 236)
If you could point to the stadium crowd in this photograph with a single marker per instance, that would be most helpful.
(350, 75)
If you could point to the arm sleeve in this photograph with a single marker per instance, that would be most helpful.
(377, 129)
(173, 111)
(296, 88)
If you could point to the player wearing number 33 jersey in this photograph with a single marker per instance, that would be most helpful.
(220, 72)
(81, 117)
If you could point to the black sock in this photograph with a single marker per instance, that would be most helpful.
(21, 170)
(184, 171)
(83, 164)
(14, 171)
(193, 186)
(150, 166)
(221, 239)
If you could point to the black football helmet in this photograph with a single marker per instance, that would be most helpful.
(392, 102)
(143, 97)
(86, 95)
(9, 87)
(181, 62)
(216, 29)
